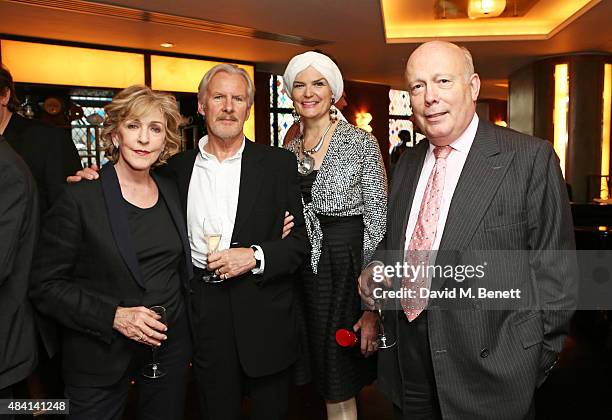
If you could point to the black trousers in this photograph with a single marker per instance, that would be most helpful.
(221, 380)
(158, 399)
(420, 396)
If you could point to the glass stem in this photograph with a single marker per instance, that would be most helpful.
(380, 319)
(154, 355)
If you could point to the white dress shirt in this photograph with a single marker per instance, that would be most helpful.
(454, 166)
(213, 195)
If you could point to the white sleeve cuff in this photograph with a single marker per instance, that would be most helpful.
(259, 270)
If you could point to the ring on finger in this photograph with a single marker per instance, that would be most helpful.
(142, 337)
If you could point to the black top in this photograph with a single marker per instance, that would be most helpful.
(159, 251)
(306, 182)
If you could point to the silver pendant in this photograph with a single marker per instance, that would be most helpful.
(305, 165)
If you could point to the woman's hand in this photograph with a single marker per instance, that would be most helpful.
(140, 324)
(368, 324)
(287, 224)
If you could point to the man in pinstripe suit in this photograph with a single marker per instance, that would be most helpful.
(501, 190)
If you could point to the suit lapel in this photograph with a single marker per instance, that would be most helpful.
(170, 197)
(482, 174)
(119, 221)
(251, 170)
(183, 170)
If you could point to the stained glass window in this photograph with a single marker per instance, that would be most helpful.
(281, 107)
(399, 118)
(395, 126)
(86, 130)
(272, 90)
(284, 122)
(399, 103)
(284, 101)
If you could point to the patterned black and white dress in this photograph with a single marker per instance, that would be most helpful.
(345, 208)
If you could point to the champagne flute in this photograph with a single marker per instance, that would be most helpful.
(212, 235)
(152, 369)
(382, 340)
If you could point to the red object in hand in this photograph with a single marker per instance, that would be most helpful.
(346, 338)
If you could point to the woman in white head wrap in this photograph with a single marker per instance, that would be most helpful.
(344, 194)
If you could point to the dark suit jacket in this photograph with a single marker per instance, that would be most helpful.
(510, 196)
(262, 305)
(18, 231)
(49, 153)
(85, 266)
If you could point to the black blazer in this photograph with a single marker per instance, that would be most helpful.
(85, 266)
(49, 153)
(18, 230)
(262, 305)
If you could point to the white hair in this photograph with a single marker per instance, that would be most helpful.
(469, 63)
(226, 68)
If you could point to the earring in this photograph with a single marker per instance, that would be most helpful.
(296, 117)
(333, 114)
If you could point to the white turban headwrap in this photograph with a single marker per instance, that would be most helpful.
(320, 62)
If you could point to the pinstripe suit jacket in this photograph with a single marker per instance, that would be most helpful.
(510, 196)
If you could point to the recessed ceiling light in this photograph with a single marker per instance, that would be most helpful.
(166, 44)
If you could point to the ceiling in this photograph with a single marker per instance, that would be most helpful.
(352, 29)
(520, 20)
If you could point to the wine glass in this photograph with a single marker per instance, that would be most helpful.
(383, 341)
(152, 369)
(212, 229)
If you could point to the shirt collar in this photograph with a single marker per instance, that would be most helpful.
(207, 156)
(465, 140)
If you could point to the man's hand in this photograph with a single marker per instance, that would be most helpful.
(140, 324)
(368, 324)
(366, 283)
(232, 262)
(87, 173)
(287, 225)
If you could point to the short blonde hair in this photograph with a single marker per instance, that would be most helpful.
(134, 102)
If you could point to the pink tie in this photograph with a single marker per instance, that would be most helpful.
(424, 234)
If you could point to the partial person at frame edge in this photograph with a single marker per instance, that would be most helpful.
(18, 230)
(48, 151)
